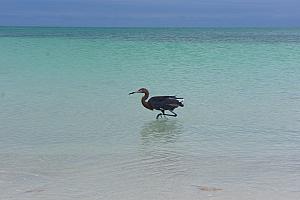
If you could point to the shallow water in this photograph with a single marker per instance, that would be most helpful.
(69, 130)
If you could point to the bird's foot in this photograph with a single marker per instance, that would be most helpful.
(159, 115)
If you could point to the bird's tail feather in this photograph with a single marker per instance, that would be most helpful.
(181, 100)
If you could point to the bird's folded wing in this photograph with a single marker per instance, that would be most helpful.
(165, 102)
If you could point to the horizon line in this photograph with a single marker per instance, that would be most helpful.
(59, 26)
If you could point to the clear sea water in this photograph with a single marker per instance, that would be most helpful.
(69, 130)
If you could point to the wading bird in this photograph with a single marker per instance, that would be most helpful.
(161, 103)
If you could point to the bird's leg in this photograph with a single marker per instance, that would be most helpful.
(175, 115)
(163, 113)
(160, 114)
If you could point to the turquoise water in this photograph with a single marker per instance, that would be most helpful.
(69, 130)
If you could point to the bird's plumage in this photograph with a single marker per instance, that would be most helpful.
(165, 102)
(161, 103)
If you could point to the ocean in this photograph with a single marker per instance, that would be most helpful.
(69, 130)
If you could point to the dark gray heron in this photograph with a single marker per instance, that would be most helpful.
(161, 103)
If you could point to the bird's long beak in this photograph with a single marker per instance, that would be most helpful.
(131, 93)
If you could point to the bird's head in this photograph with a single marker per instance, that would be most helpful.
(142, 90)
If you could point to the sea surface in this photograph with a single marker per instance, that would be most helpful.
(69, 130)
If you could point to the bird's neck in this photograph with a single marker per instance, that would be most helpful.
(145, 103)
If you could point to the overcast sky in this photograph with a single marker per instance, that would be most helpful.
(205, 13)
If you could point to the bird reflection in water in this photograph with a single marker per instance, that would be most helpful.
(165, 130)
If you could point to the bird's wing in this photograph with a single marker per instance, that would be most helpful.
(163, 97)
(165, 102)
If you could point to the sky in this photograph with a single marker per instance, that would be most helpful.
(151, 13)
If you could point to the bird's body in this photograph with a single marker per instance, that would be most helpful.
(165, 102)
(161, 103)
